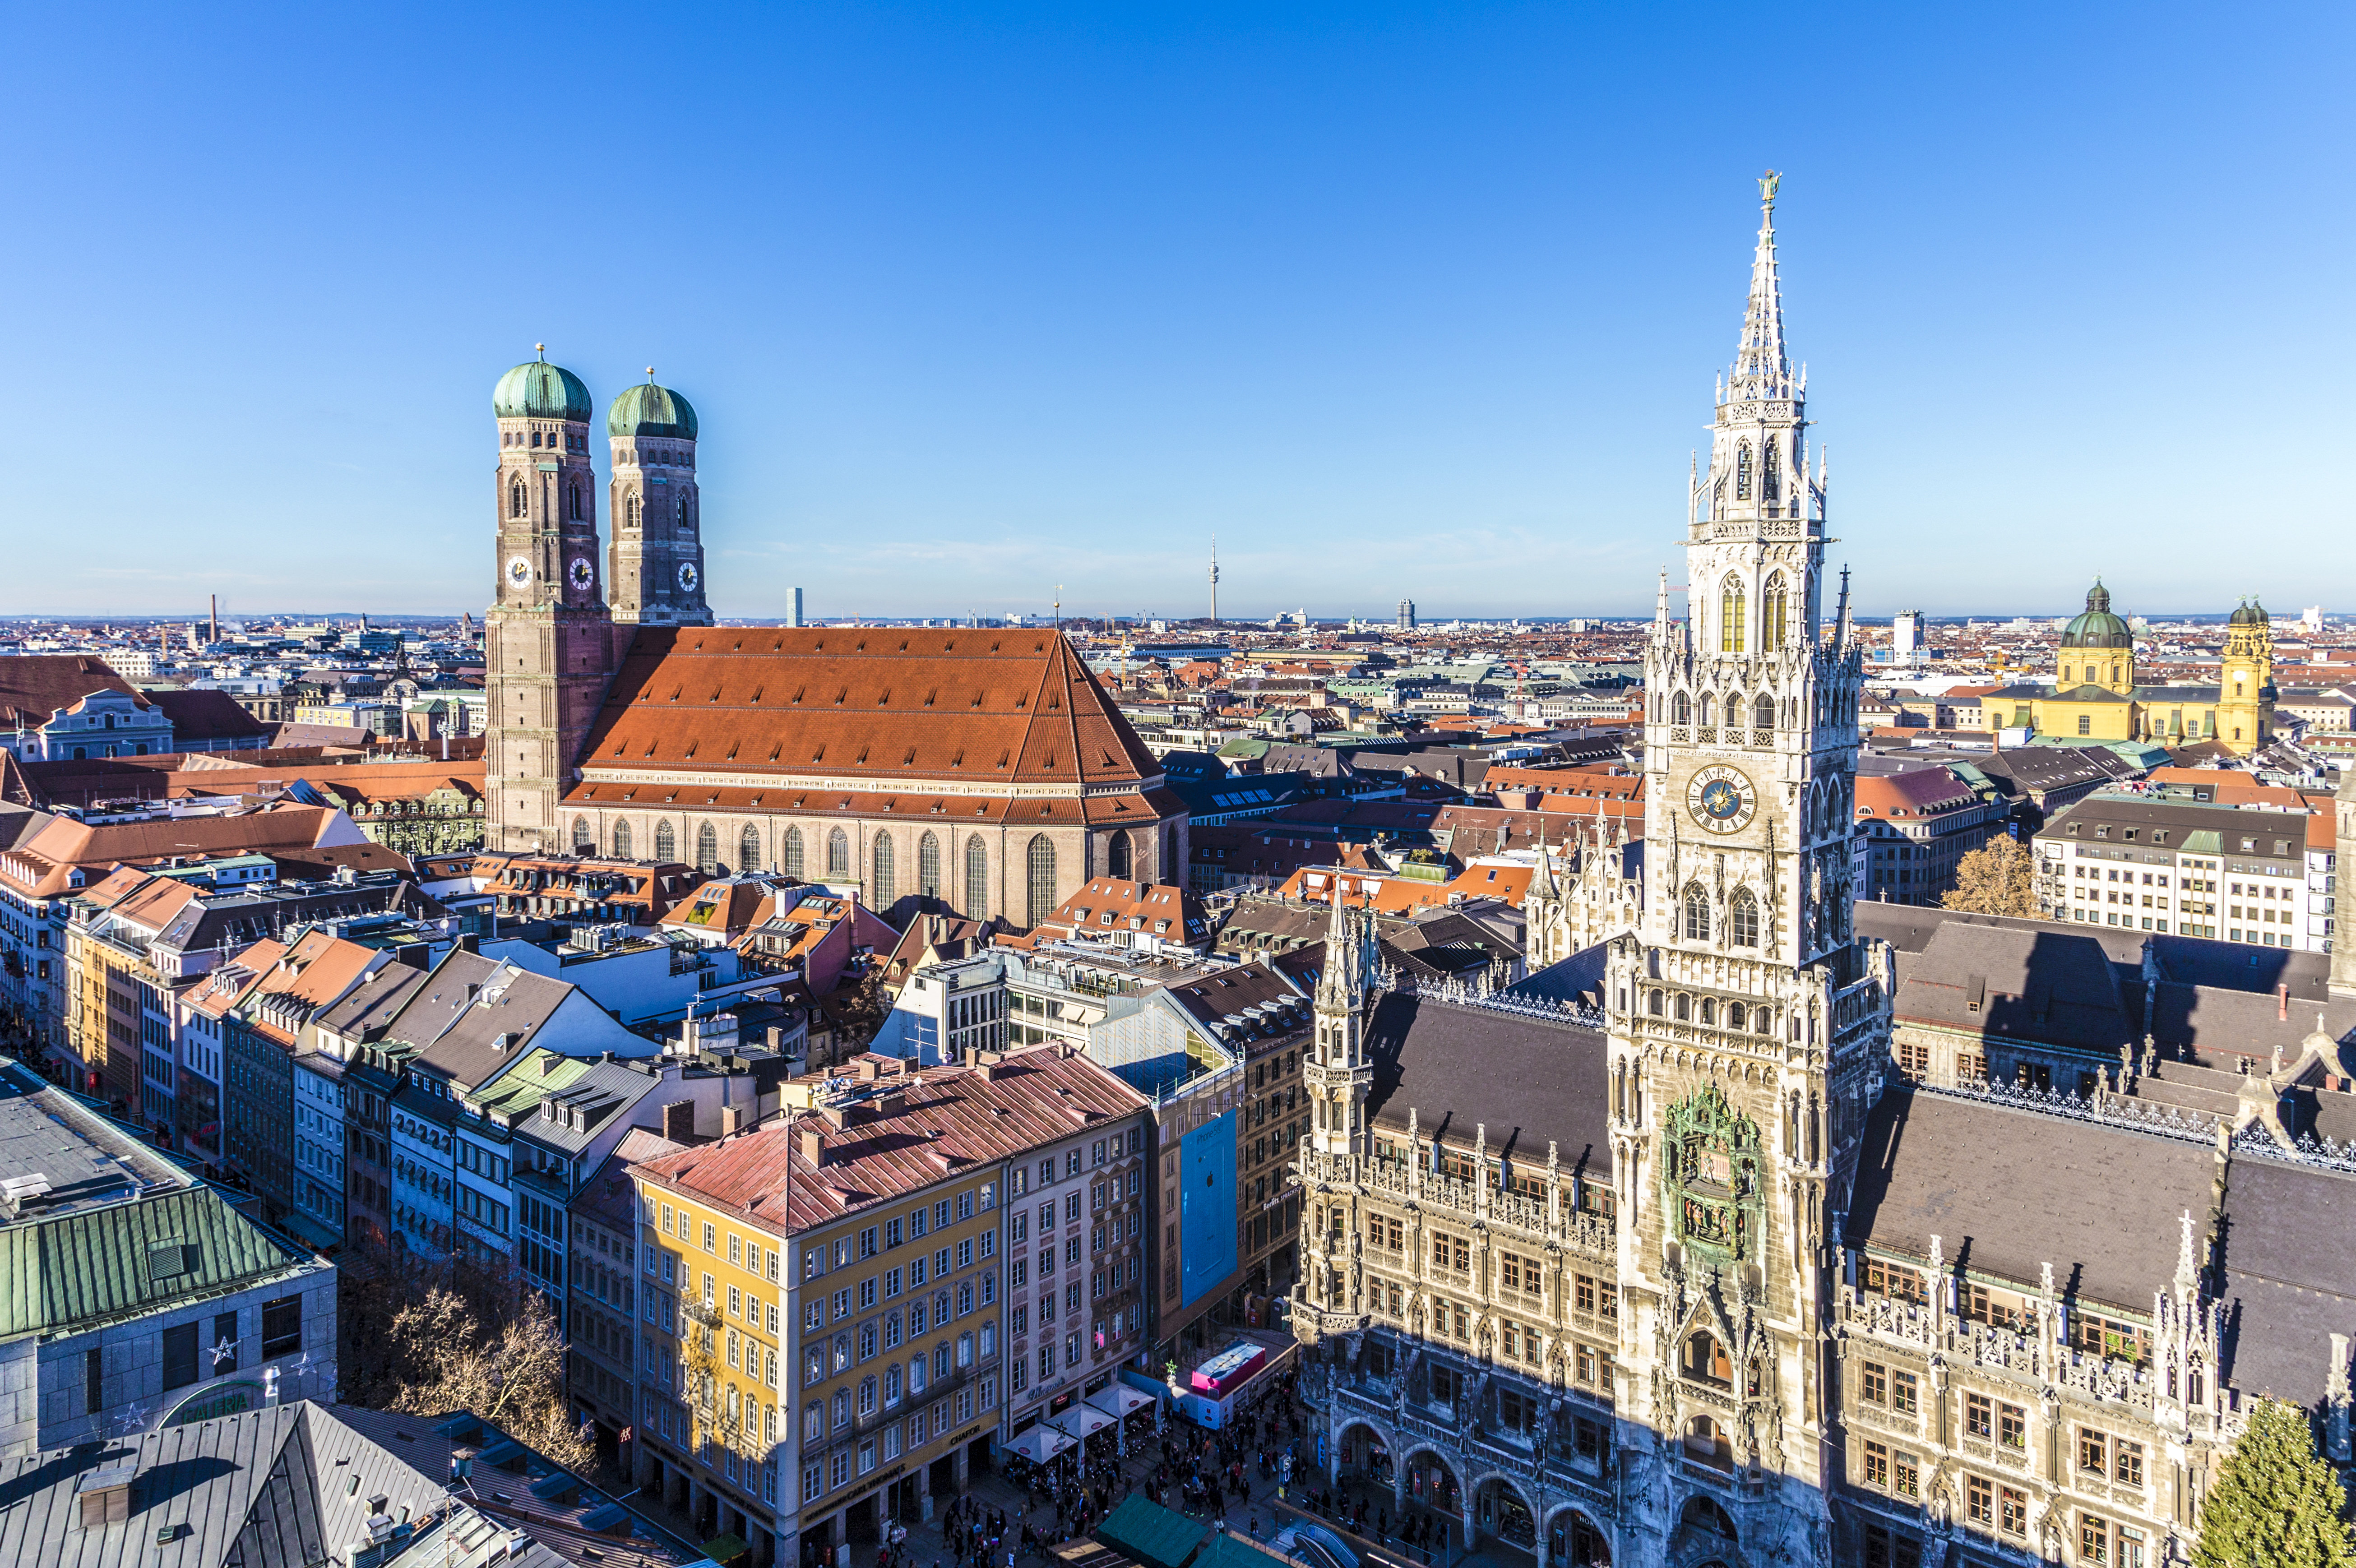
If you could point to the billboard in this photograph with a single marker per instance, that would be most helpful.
(1206, 1207)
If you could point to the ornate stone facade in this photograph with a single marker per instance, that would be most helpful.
(1760, 1302)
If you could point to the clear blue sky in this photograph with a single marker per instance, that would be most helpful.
(974, 300)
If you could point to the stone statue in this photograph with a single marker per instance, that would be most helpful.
(1769, 184)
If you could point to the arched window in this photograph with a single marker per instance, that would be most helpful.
(790, 852)
(573, 502)
(687, 511)
(1742, 471)
(1774, 614)
(1709, 710)
(634, 509)
(1681, 708)
(1730, 608)
(1117, 857)
(977, 879)
(1039, 862)
(1737, 1016)
(516, 498)
(1708, 1011)
(838, 853)
(1706, 1443)
(1653, 1003)
(748, 848)
(1762, 712)
(666, 841)
(1742, 921)
(621, 841)
(1770, 478)
(1763, 1019)
(1697, 913)
(1685, 1006)
(886, 890)
(584, 842)
(928, 865)
(707, 851)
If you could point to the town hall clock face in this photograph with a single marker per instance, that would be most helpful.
(1722, 799)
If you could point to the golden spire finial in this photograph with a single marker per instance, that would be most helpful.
(541, 348)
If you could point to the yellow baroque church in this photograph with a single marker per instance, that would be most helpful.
(2094, 696)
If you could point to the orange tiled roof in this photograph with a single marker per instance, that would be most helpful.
(997, 705)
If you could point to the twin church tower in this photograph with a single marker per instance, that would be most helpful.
(553, 637)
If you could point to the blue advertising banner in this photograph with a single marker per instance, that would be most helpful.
(1206, 1207)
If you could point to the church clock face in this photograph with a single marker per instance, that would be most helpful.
(1722, 799)
(519, 571)
(686, 577)
(583, 574)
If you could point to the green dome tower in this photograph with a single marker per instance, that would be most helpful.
(548, 641)
(657, 565)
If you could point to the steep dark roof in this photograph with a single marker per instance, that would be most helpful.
(2047, 984)
(1530, 1080)
(2289, 1256)
(2009, 1191)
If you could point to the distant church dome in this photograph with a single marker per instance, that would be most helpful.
(537, 390)
(649, 410)
(2251, 613)
(2098, 628)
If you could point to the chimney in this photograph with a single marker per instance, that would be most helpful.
(678, 1121)
(813, 1143)
(731, 1120)
(470, 943)
(2282, 1003)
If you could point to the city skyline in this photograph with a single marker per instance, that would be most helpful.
(973, 307)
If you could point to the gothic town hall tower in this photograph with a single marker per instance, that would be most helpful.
(1745, 1022)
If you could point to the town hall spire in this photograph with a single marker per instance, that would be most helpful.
(1761, 368)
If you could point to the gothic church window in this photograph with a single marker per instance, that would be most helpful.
(928, 865)
(1771, 479)
(707, 851)
(637, 512)
(886, 890)
(1742, 921)
(790, 852)
(1731, 607)
(1762, 716)
(1039, 861)
(621, 841)
(1117, 860)
(977, 879)
(1709, 710)
(666, 841)
(1697, 913)
(584, 842)
(516, 500)
(1742, 472)
(838, 853)
(573, 502)
(1681, 709)
(748, 848)
(1774, 607)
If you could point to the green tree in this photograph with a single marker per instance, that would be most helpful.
(1998, 878)
(2274, 1503)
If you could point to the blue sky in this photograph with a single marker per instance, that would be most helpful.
(977, 300)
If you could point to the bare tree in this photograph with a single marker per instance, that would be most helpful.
(430, 1336)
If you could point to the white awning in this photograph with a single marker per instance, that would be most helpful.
(1082, 1419)
(1039, 1443)
(1118, 1400)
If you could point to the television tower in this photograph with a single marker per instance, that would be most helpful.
(1215, 579)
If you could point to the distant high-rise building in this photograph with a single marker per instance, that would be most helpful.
(793, 606)
(2311, 618)
(1407, 615)
(1906, 636)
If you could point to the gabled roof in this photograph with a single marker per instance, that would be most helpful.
(35, 687)
(1005, 706)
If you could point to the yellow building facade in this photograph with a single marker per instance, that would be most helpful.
(2096, 695)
